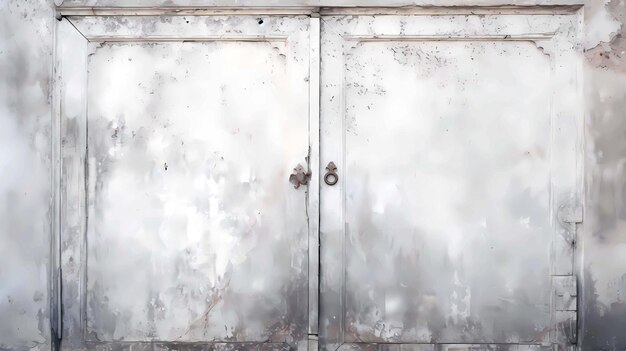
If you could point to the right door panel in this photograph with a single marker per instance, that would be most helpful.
(457, 140)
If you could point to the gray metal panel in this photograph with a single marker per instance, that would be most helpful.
(457, 139)
(193, 232)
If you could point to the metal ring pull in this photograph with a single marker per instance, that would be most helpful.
(331, 177)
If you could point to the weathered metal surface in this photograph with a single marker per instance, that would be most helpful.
(458, 138)
(190, 231)
(25, 181)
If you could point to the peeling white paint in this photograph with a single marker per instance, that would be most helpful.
(600, 25)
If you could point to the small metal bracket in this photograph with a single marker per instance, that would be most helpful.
(565, 306)
(299, 176)
(565, 291)
(313, 343)
(569, 216)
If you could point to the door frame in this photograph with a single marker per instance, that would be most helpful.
(315, 9)
(565, 200)
(74, 43)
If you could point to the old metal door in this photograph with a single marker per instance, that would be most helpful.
(456, 139)
(179, 226)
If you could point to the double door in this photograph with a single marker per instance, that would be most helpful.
(336, 181)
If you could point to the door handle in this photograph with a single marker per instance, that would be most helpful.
(299, 176)
(331, 178)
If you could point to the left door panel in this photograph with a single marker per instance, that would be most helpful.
(178, 223)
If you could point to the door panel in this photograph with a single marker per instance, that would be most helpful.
(192, 233)
(457, 140)
(443, 196)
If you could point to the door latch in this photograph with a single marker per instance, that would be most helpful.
(299, 176)
(331, 177)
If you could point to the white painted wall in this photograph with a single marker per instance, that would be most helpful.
(25, 188)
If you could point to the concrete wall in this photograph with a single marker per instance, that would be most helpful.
(26, 39)
(602, 243)
(26, 28)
